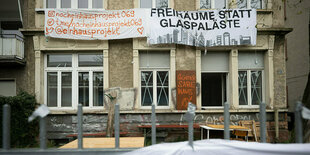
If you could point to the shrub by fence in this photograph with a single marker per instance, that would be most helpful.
(24, 134)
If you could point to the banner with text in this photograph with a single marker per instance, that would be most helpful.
(95, 24)
(160, 26)
(203, 28)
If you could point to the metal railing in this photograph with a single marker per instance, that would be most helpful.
(80, 150)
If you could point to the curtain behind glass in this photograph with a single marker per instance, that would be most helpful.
(52, 89)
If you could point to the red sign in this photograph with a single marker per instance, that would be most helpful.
(186, 88)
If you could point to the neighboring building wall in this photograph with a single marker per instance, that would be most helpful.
(297, 64)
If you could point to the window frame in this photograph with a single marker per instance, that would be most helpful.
(248, 4)
(74, 69)
(154, 3)
(249, 88)
(227, 90)
(155, 70)
(74, 5)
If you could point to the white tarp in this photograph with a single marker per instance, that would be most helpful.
(160, 26)
(223, 147)
(305, 112)
(95, 24)
(41, 111)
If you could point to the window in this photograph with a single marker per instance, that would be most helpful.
(74, 78)
(154, 83)
(214, 4)
(250, 78)
(215, 68)
(7, 87)
(83, 4)
(154, 3)
(254, 4)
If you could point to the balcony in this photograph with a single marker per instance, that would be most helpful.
(11, 48)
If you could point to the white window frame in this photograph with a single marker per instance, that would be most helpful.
(227, 91)
(213, 4)
(74, 4)
(155, 70)
(75, 81)
(249, 88)
(154, 3)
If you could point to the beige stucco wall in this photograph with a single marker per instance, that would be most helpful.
(185, 58)
(120, 63)
(120, 4)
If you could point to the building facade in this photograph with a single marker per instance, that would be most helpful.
(65, 72)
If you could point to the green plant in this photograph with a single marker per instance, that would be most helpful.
(23, 134)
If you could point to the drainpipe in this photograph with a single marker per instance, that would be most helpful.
(20, 12)
(276, 117)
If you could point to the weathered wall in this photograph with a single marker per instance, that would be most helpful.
(28, 8)
(279, 73)
(185, 58)
(278, 13)
(120, 4)
(184, 5)
(297, 63)
(120, 66)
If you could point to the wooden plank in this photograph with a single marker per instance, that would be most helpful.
(196, 126)
(186, 88)
(125, 142)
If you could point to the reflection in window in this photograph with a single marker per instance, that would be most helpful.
(257, 4)
(84, 88)
(145, 3)
(205, 4)
(82, 3)
(98, 88)
(256, 86)
(146, 88)
(52, 89)
(220, 4)
(89, 60)
(243, 94)
(50, 3)
(66, 89)
(59, 60)
(65, 3)
(161, 3)
(162, 88)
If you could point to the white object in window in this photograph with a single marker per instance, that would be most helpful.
(72, 79)
(154, 3)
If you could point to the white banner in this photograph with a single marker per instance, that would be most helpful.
(160, 26)
(95, 24)
(203, 28)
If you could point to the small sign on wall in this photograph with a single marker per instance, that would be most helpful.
(186, 88)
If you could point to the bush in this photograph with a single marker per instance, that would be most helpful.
(23, 134)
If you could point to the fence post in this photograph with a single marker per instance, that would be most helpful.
(226, 121)
(6, 125)
(42, 133)
(80, 126)
(116, 125)
(298, 123)
(262, 120)
(190, 114)
(153, 117)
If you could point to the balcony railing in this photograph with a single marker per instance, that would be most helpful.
(11, 48)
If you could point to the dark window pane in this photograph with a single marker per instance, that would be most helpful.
(90, 60)
(243, 94)
(83, 4)
(145, 3)
(50, 3)
(66, 89)
(65, 3)
(146, 96)
(84, 89)
(97, 3)
(147, 78)
(52, 89)
(98, 88)
(256, 86)
(213, 89)
(59, 60)
(162, 88)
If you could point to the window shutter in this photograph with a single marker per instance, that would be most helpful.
(215, 62)
(250, 60)
(154, 59)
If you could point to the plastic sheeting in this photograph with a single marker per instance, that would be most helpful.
(227, 147)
